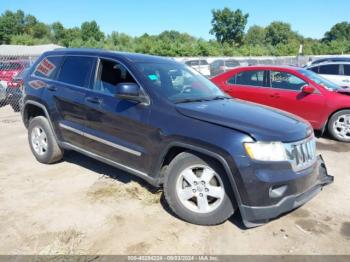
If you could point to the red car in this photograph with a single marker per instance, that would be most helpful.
(295, 90)
(11, 68)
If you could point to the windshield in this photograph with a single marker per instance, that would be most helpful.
(319, 80)
(179, 83)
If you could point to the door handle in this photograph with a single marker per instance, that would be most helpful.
(52, 88)
(93, 100)
(346, 80)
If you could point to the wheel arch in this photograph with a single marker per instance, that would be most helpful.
(324, 128)
(33, 108)
(175, 148)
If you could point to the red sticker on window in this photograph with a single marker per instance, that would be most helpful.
(45, 67)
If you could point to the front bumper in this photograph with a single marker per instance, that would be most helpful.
(257, 215)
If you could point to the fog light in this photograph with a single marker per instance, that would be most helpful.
(277, 191)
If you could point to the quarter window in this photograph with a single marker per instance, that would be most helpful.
(284, 80)
(111, 73)
(347, 70)
(249, 78)
(76, 70)
(48, 67)
(329, 70)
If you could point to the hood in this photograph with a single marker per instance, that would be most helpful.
(261, 122)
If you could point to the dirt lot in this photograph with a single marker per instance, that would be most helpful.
(81, 206)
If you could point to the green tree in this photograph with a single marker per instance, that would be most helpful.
(11, 23)
(340, 31)
(58, 31)
(70, 35)
(90, 30)
(228, 26)
(40, 30)
(280, 33)
(255, 35)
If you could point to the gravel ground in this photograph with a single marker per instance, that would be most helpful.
(81, 206)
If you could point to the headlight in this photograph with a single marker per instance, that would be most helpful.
(263, 151)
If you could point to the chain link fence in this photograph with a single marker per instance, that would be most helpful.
(14, 67)
(12, 70)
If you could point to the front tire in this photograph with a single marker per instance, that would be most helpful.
(339, 126)
(43, 142)
(197, 190)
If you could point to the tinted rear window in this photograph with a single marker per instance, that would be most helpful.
(329, 69)
(76, 70)
(48, 67)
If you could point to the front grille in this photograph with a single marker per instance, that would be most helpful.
(302, 154)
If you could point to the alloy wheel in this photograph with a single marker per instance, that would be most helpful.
(200, 189)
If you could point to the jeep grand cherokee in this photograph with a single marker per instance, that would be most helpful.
(166, 123)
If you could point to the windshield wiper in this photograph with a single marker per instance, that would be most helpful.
(189, 100)
(220, 98)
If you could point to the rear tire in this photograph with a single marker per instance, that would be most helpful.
(339, 126)
(197, 190)
(43, 142)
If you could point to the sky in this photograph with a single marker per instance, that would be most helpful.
(311, 18)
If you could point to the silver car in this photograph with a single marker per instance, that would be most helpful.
(337, 72)
(2, 93)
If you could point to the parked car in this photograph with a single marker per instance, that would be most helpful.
(296, 90)
(168, 124)
(10, 68)
(201, 65)
(337, 72)
(220, 66)
(14, 90)
(2, 94)
(331, 59)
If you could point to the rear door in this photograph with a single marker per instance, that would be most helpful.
(117, 129)
(250, 85)
(288, 97)
(66, 97)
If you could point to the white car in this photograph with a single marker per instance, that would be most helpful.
(337, 72)
(201, 65)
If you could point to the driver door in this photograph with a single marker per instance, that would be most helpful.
(117, 129)
(288, 96)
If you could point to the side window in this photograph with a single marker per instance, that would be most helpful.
(284, 80)
(329, 69)
(250, 78)
(203, 62)
(192, 63)
(347, 70)
(76, 70)
(109, 74)
(232, 80)
(48, 67)
(314, 69)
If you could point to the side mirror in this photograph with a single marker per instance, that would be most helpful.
(130, 91)
(308, 89)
